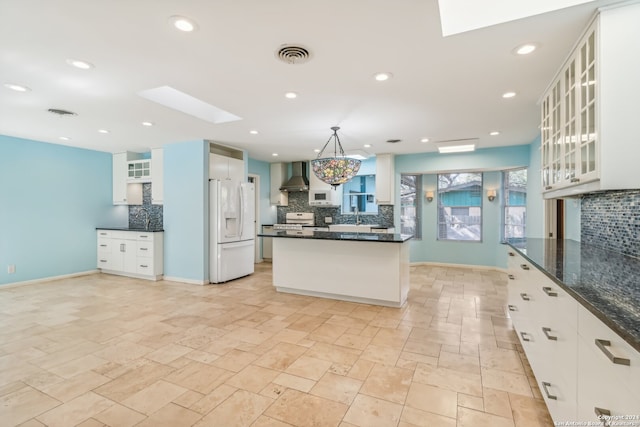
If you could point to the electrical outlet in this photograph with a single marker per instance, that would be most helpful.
(328, 220)
(11, 268)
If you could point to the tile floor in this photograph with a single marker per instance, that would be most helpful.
(103, 350)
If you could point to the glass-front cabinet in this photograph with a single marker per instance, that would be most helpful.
(569, 135)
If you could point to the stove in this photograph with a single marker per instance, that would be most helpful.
(295, 221)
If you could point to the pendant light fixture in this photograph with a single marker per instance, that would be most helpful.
(338, 169)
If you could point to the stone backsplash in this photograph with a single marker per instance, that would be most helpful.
(299, 202)
(155, 211)
(611, 220)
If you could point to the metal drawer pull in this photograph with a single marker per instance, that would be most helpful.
(122, 247)
(547, 290)
(143, 236)
(512, 307)
(103, 260)
(546, 391)
(602, 415)
(144, 266)
(603, 344)
(524, 336)
(524, 266)
(548, 187)
(103, 246)
(546, 334)
(575, 180)
(144, 249)
(512, 254)
(511, 277)
(525, 297)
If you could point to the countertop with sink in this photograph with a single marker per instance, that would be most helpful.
(149, 230)
(605, 282)
(339, 235)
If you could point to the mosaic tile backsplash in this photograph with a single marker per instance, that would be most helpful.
(611, 220)
(155, 211)
(299, 202)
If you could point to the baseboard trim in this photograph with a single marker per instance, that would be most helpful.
(466, 266)
(47, 279)
(183, 280)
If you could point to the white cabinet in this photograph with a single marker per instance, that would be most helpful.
(223, 167)
(385, 179)
(278, 175)
(589, 111)
(131, 253)
(124, 193)
(157, 176)
(139, 170)
(267, 243)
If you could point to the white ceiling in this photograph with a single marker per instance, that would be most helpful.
(442, 88)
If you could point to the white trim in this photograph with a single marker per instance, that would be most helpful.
(467, 266)
(47, 279)
(183, 280)
(257, 240)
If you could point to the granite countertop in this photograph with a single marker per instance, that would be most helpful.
(341, 235)
(605, 282)
(150, 230)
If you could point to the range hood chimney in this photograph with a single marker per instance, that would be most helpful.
(298, 180)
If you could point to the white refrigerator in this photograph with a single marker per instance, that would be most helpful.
(231, 229)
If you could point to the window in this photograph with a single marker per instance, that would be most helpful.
(359, 193)
(410, 191)
(515, 203)
(460, 206)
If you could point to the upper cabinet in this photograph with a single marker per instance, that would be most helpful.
(588, 140)
(278, 176)
(226, 163)
(385, 179)
(124, 192)
(139, 170)
(157, 176)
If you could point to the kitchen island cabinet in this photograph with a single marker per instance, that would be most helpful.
(370, 268)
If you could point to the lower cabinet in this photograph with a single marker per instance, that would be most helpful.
(577, 378)
(131, 253)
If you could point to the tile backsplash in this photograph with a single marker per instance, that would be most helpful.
(611, 220)
(155, 211)
(299, 202)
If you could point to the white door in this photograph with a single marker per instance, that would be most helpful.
(228, 209)
(247, 211)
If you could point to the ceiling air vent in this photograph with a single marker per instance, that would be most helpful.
(61, 113)
(393, 141)
(293, 54)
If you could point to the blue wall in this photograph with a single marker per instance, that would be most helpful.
(535, 202)
(186, 199)
(489, 252)
(267, 211)
(52, 198)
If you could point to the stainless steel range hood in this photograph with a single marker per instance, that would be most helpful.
(298, 180)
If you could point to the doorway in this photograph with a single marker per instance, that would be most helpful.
(255, 179)
(554, 218)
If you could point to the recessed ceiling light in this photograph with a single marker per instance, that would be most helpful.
(17, 87)
(381, 77)
(253, 132)
(291, 95)
(424, 140)
(367, 145)
(103, 131)
(274, 154)
(83, 65)
(494, 133)
(64, 138)
(183, 24)
(316, 150)
(147, 124)
(508, 94)
(457, 148)
(525, 49)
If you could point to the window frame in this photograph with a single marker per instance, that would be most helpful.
(417, 204)
(506, 205)
(439, 208)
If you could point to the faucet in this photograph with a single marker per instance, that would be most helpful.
(357, 212)
(147, 220)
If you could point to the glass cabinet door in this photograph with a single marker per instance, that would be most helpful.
(588, 132)
(570, 136)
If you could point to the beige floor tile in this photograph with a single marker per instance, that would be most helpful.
(449, 379)
(249, 335)
(471, 418)
(123, 352)
(327, 333)
(471, 402)
(337, 387)
(73, 387)
(415, 417)
(382, 355)
(75, 411)
(391, 337)
(281, 356)
(504, 360)
(213, 399)
(171, 415)
(529, 412)
(168, 353)
(264, 421)
(34, 423)
(334, 353)
(388, 383)
(358, 342)
(300, 409)
(309, 367)
(252, 378)
(433, 399)
(92, 422)
(23, 404)
(235, 360)
(422, 347)
(295, 382)
(366, 411)
(307, 323)
(506, 381)
(241, 409)
(361, 369)
(199, 377)
(459, 362)
(149, 400)
(78, 366)
(497, 402)
(119, 415)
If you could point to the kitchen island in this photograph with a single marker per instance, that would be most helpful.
(370, 268)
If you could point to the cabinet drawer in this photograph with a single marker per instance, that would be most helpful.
(625, 372)
(144, 237)
(105, 245)
(145, 249)
(556, 303)
(105, 234)
(106, 261)
(145, 266)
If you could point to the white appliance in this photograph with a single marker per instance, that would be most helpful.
(323, 194)
(231, 229)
